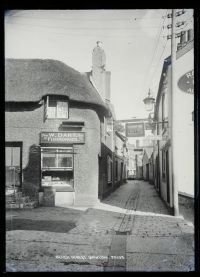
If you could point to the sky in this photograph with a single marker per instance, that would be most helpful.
(135, 43)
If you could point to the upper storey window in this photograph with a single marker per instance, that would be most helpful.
(56, 107)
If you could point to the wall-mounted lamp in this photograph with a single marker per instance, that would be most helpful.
(149, 102)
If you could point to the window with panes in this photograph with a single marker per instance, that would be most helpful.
(56, 107)
(57, 166)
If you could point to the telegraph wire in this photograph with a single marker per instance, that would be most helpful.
(164, 48)
(156, 49)
(156, 68)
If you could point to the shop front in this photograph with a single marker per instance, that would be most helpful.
(57, 166)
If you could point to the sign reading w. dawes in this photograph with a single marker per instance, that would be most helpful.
(62, 137)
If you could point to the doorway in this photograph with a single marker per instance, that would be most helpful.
(122, 167)
(167, 176)
(13, 153)
(157, 174)
(147, 172)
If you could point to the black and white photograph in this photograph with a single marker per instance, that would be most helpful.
(99, 140)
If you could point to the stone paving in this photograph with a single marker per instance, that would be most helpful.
(131, 230)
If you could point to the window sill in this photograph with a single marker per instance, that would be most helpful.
(59, 188)
(58, 118)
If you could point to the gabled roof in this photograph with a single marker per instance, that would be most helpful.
(147, 154)
(28, 80)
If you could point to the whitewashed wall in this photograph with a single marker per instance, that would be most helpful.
(183, 131)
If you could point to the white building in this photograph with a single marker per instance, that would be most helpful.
(176, 129)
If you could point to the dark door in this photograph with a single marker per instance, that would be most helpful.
(121, 177)
(147, 172)
(167, 176)
(13, 165)
(157, 174)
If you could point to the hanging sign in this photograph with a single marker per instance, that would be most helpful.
(135, 129)
(186, 82)
(62, 137)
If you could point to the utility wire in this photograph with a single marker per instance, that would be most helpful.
(163, 52)
(164, 48)
(156, 68)
(155, 51)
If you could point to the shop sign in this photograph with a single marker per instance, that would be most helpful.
(135, 129)
(186, 82)
(62, 137)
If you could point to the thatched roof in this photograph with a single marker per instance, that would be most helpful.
(28, 80)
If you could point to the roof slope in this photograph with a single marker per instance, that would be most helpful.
(147, 155)
(28, 80)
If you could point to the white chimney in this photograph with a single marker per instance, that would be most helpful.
(100, 76)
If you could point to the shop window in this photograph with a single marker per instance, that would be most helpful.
(57, 166)
(56, 108)
(56, 158)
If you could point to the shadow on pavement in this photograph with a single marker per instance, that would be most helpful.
(39, 225)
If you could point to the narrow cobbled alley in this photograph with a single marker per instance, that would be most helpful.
(130, 230)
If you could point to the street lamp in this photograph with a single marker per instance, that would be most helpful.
(149, 102)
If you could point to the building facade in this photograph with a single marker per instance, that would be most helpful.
(57, 146)
(148, 165)
(177, 128)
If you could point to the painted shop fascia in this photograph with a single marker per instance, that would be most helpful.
(56, 140)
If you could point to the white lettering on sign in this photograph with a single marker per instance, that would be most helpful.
(190, 74)
(62, 137)
(186, 82)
